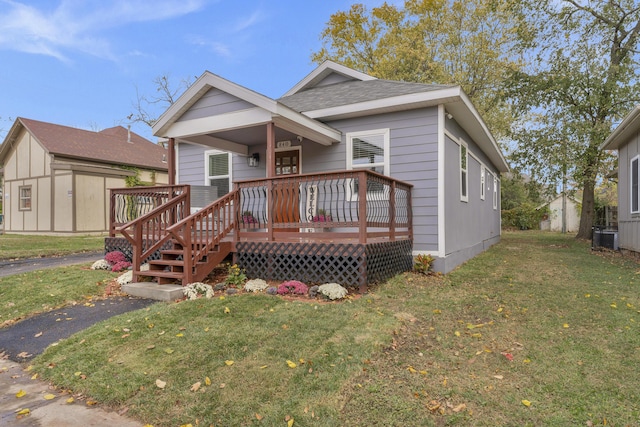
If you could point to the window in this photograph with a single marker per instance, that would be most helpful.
(25, 198)
(218, 171)
(635, 208)
(368, 150)
(495, 192)
(482, 182)
(464, 196)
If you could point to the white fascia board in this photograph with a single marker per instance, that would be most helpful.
(396, 103)
(629, 125)
(221, 122)
(201, 86)
(301, 124)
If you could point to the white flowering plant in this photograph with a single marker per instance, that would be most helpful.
(197, 290)
(101, 264)
(332, 291)
(127, 277)
(256, 285)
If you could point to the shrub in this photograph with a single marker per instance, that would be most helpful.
(255, 285)
(293, 287)
(422, 264)
(115, 257)
(101, 264)
(120, 265)
(236, 276)
(333, 291)
(196, 290)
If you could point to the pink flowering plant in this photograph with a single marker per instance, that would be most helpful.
(117, 260)
(293, 287)
(322, 216)
(248, 218)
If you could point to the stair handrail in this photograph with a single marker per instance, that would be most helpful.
(200, 232)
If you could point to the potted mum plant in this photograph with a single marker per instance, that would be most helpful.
(321, 217)
(248, 218)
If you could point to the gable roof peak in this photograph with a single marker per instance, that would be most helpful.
(323, 71)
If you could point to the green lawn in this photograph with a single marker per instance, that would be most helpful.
(14, 246)
(537, 331)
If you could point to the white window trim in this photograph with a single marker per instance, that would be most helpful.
(464, 185)
(386, 164)
(483, 174)
(634, 159)
(293, 148)
(207, 177)
(495, 192)
(20, 198)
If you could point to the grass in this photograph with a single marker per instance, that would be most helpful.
(26, 294)
(14, 246)
(418, 350)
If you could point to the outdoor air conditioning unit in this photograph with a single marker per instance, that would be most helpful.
(603, 238)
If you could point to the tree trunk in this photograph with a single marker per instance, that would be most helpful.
(587, 212)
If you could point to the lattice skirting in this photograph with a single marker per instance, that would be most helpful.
(353, 265)
(121, 244)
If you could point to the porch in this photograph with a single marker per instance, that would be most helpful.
(349, 227)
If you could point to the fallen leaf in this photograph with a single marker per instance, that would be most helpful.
(498, 377)
(125, 336)
(229, 362)
(168, 350)
(460, 407)
(21, 393)
(39, 334)
(24, 411)
(258, 417)
(49, 396)
(207, 381)
(226, 310)
(151, 347)
(161, 384)
(34, 377)
(526, 403)
(290, 422)
(91, 402)
(457, 333)
(263, 366)
(412, 369)
(69, 400)
(509, 356)
(180, 335)
(566, 325)
(291, 364)
(196, 386)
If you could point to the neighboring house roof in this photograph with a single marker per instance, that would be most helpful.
(624, 131)
(116, 145)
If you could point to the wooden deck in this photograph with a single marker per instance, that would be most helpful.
(348, 227)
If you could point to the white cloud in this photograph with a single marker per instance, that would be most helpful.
(78, 26)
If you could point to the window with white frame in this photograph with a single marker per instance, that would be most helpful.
(634, 174)
(495, 192)
(464, 180)
(218, 166)
(25, 198)
(482, 182)
(368, 150)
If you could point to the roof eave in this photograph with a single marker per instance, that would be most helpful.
(629, 125)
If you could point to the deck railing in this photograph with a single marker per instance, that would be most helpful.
(360, 205)
(128, 204)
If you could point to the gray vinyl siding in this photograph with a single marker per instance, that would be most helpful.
(628, 223)
(471, 226)
(215, 102)
(191, 164)
(413, 159)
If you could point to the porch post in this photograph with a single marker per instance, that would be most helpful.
(172, 161)
(271, 150)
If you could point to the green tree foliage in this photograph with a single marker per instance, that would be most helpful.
(461, 42)
(581, 79)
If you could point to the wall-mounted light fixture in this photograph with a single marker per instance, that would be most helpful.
(253, 160)
(449, 116)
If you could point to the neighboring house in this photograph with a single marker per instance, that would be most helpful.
(626, 139)
(337, 119)
(57, 178)
(554, 222)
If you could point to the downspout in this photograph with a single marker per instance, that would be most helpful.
(172, 161)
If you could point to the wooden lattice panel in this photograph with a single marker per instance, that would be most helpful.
(123, 245)
(352, 265)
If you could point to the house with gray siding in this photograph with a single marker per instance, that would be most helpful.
(625, 138)
(345, 175)
(430, 136)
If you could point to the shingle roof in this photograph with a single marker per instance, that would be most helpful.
(107, 146)
(352, 92)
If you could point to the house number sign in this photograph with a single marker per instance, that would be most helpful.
(283, 144)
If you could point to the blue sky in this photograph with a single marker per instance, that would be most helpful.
(79, 62)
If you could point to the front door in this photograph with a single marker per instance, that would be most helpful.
(286, 200)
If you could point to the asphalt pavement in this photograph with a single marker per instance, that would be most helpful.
(20, 342)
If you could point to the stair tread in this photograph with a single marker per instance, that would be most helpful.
(162, 273)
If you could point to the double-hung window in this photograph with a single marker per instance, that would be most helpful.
(495, 192)
(464, 181)
(368, 150)
(634, 173)
(482, 182)
(219, 171)
(25, 198)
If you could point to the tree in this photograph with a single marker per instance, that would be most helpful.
(469, 43)
(148, 108)
(581, 80)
